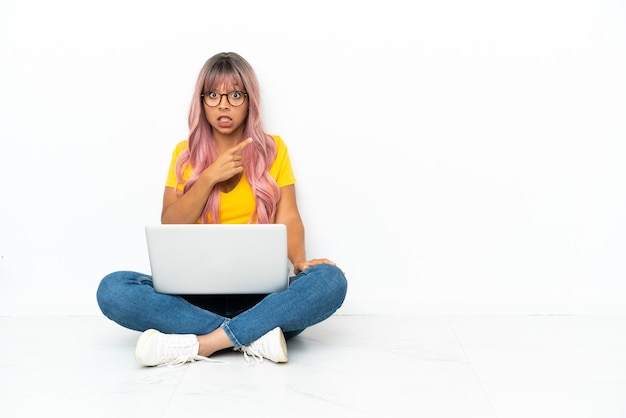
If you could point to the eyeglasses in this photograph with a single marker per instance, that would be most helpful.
(213, 98)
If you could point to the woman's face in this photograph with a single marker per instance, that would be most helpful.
(226, 108)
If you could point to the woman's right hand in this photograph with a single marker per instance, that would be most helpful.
(187, 208)
(228, 164)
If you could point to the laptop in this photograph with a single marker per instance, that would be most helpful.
(189, 259)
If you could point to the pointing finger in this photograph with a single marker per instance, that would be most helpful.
(242, 145)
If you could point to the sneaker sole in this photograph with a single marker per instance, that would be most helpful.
(282, 356)
(145, 336)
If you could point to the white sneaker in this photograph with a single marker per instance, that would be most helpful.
(157, 349)
(271, 346)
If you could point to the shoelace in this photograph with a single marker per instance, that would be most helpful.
(252, 351)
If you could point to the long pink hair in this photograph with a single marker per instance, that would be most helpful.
(231, 68)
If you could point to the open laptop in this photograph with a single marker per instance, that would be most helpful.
(189, 259)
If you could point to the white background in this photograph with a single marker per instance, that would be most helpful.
(457, 157)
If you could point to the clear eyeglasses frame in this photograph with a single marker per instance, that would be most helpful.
(235, 98)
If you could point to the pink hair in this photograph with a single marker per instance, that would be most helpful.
(231, 68)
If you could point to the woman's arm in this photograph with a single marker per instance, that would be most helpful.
(288, 214)
(186, 208)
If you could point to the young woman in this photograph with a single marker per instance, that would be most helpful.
(228, 171)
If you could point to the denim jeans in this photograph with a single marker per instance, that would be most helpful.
(129, 299)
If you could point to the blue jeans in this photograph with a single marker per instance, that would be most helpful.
(129, 299)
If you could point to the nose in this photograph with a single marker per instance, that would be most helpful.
(223, 99)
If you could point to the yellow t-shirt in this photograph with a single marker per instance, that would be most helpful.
(237, 206)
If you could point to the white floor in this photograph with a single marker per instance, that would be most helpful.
(348, 366)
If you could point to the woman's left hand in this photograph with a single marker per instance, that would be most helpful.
(303, 265)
